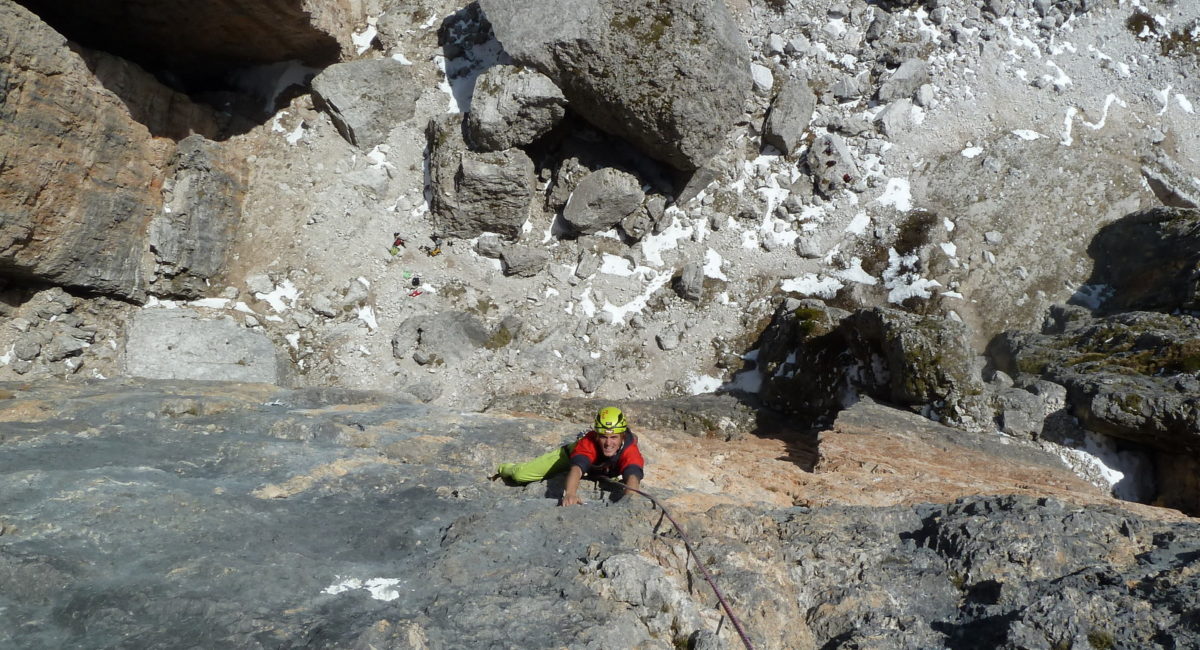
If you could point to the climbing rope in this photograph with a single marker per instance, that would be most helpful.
(737, 625)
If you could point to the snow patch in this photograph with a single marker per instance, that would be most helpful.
(285, 291)
(971, 152)
(367, 315)
(897, 193)
(618, 313)
(700, 384)
(379, 588)
(903, 280)
(712, 265)
(812, 284)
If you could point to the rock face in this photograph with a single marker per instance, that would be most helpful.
(366, 99)
(476, 192)
(83, 179)
(275, 516)
(202, 208)
(669, 77)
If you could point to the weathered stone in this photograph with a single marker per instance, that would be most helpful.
(790, 113)
(367, 99)
(191, 237)
(27, 347)
(1019, 412)
(592, 378)
(905, 81)
(670, 78)
(180, 344)
(668, 339)
(62, 346)
(512, 107)
(896, 118)
(489, 245)
(524, 261)
(690, 283)
(831, 164)
(602, 199)
(637, 225)
(476, 192)
(1172, 183)
(442, 337)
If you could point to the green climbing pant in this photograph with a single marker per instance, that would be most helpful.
(556, 460)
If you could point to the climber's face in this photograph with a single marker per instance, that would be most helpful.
(610, 444)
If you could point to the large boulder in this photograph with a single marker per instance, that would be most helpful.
(670, 76)
(512, 107)
(602, 199)
(476, 192)
(439, 338)
(791, 111)
(366, 99)
(1148, 260)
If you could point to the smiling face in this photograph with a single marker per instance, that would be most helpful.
(609, 444)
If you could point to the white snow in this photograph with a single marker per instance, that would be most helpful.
(379, 588)
(1184, 104)
(362, 39)
(367, 315)
(748, 381)
(812, 284)
(7, 357)
(1092, 296)
(276, 298)
(1067, 120)
(971, 152)
(949, 248)
(293, 339)
(654, 245)
(401, 59)
(586, 304)
(858, 225)
(618, 313)
(712, 265)
(1026, 134)
(613, 265)
(701, 384)
(897, 193)
(1108, 101)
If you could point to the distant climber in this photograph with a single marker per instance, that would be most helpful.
(609, 449)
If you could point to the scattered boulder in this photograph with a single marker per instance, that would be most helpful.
(489, 245)
(670, 77)
(602, 199)
(476, 192)
(905, 81)
(512, 107)
(181, 344)
(790, 113)
(366, 99)
(524, 261)
(896, 118)
(593, 376)
(442, 337)
(690, 282)
(831, 164)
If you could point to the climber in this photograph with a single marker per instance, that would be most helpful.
(609, 449)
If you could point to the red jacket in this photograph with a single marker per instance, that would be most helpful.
(625, 463)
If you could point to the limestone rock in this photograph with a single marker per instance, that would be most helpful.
(367, 99)
(476, 192)
(602, 200)
(512, 107)
(191, 237)
(690, 283)
(442, 337)
(790, 113)
(905, 81)
(180, 344)
(525, 261)
(831, 164)
(670, 78)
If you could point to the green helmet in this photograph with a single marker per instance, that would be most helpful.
(612, 419)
